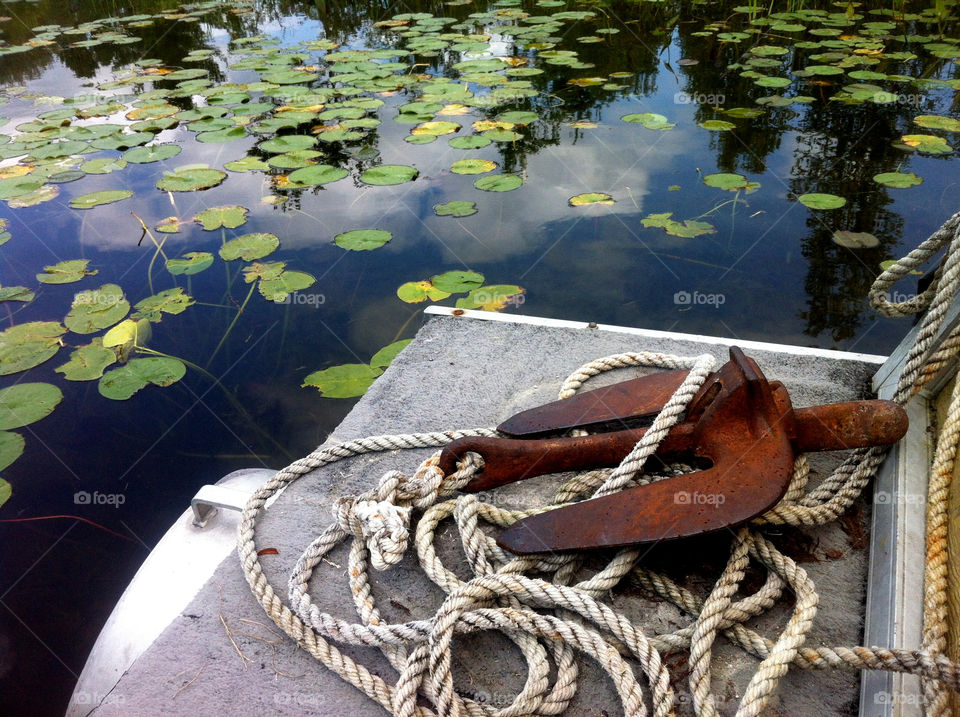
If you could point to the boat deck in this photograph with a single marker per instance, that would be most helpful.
(220, 654)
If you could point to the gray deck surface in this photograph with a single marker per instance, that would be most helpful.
(464, 373)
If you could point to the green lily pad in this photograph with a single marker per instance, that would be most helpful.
(16, 293)
(87, 362)
(687, 229)
(718, 125)
(155, 153)
(191, 180)
(456, 208)
(104, 165)
(121, 383)
(473, 166)
(502, 135)
(385, 356)
(519, 117)
(94, 199)
(362, 239)
(772, 82)
(436, 128)
(6, 490)
(413, 292)
(96, 309)
(27, 403)
(127, 335)
(278, 287)
(220, 136)
(855, 240)
(491, 298)
(288, 143)
(314, 175)
(297, 159)
(498, 183)
(247, 164)
(346, 381)
(926, 143)
(37, 196)
(938, 122)
(193, 262)
(729, 182)
(171, 301)
(249, 247)
(472, 142)
(388, 174)
(229, 217)
(27, 345)
(582, 200)
(650, 120)
(821, 201)
(11, 448)
(454, 282)
(65, 272)
(898, 180)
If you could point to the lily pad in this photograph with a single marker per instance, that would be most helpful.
(938, 122)
(687, 229)
(96, 309)
(65, 272)
(821, 201)
(730, 182)
(413, 292)
(193, 262)
(27, 345)
(6, 490)
(582, 200)
(155, 153)
(650, 120)
(191, 180)
(121, 383)
(171, 301)
(127, 335)
(249, 247)
(104, 165)
(346, 381)
(855, 240)
(472, 142)
(898, 180)
(288, 143)
(94, 199)
(27, 403)
(388, 174)
(247, 164)
(491, 298)
(718, 125)
(436, 128)
(220, 136)
(88, 362)
(35, 197)
(314, 175)
(277, 288)
(472, 166)
(362, 239)
(456, 208)
(11, 448)
(385, 356)
(927, 143)
(454, 282)
(229, 217)
(16, 293)
(498, 183)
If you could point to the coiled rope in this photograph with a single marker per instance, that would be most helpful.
(502, 594)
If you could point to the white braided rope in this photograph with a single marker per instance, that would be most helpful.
(502, 596)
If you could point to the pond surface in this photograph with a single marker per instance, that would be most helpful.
(207, 205)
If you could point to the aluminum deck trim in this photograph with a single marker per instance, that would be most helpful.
(652, 333)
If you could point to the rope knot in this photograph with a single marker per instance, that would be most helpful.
(383, 526)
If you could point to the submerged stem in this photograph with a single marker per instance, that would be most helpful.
(236, 318)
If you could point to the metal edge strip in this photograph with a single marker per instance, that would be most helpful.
(651, 333)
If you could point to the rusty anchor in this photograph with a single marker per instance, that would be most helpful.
(740, 430)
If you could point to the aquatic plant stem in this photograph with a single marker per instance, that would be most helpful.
(153, 259)
(226, 333)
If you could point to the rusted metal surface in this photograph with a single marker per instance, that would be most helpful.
(742, 429)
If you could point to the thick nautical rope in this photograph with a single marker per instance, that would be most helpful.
(502, 595)
(934, 301)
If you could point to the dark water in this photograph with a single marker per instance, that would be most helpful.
(771, 270)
